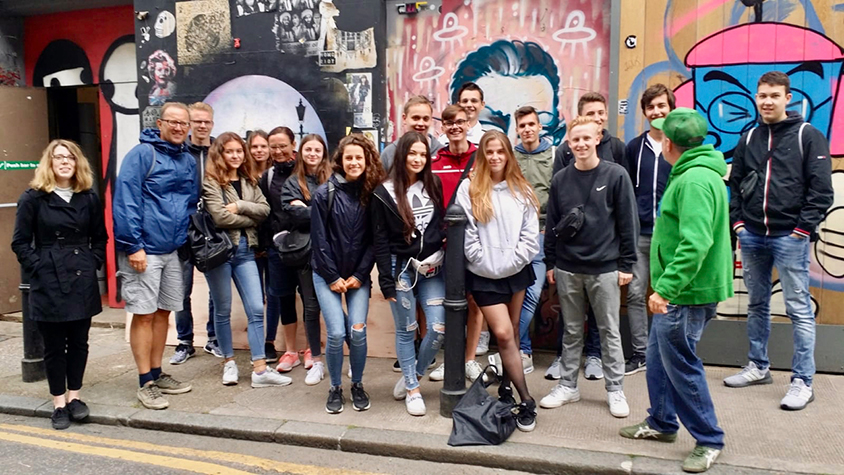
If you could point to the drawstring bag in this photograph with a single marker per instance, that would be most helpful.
(479, 418)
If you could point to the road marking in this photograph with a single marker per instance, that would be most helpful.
(248, 460)
(127, 455)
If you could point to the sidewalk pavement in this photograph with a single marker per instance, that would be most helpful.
(577, 438)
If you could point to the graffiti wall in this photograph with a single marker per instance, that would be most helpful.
(711, 52)
(11, 52)
(307, 64)
(524, 52)
(92, 47)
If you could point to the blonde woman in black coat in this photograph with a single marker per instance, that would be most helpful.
(60, 239)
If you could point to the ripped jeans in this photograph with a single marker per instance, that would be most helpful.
(339, 326)
(430, 292)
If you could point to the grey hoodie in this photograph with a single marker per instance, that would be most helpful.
(508, 242)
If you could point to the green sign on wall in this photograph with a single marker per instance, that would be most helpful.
(17, 165)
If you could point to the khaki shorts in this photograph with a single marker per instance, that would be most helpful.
(158, 287)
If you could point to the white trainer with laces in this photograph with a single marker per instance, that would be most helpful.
(618, 404)
(438, 374)
(749, 375)
(315, 374)
(560, 395)
(268, 378)
(555, 371)
(798, 396)
(230, 373)
(415, 405)
(483, 344)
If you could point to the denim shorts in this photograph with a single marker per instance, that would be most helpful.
(158, 287)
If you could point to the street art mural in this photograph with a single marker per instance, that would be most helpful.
(11, 52)
(712, 53)
(92, 47)
(525, 52)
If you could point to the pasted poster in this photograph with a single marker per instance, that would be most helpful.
(161, 70)
(298, 27)
(360, 97)
(204, 28)
(345, 49)
(249, 7)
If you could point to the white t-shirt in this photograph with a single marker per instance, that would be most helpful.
(419, 201)
(65, 193)
(656, 145)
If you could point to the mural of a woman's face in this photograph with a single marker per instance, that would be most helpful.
(162, 74)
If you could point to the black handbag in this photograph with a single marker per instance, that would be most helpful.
(209, 247)
(480, 418)
(294, 247)
(571, 223)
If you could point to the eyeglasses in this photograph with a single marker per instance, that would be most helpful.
(459, 123)
(175, 123)
(202, 122)
(61, 158)
(278, 147)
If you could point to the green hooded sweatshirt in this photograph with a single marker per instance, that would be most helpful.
(691, 257)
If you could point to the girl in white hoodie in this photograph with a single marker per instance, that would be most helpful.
(502, 237)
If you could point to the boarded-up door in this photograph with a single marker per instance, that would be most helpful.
(23, 136)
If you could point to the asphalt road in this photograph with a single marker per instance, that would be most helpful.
(30, 446)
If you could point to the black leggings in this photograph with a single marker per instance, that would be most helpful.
(310, 308)
(65, 353)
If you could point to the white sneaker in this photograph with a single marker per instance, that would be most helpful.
(400, 390)
(415, 404)
(749, 375)
(270, 377)
(618, 404)
(560, 395)
(555, 371)
(527, 362)
(438, 374)
(483, 344)
(495, 360)
(230, 373)
(474, 370)
(315, 374)
(592, 368)
(798, 396)
(350, 371)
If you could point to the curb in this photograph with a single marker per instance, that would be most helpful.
(389, 443)
(94, 322)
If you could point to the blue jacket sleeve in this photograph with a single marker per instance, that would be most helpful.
(128, 202)
(323, 257)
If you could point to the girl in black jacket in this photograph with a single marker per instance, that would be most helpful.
(342, 258)
(407, 214)
(312, 169)
(60, 240)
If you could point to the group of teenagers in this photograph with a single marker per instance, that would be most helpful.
(588, 216)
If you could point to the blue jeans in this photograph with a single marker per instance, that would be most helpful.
(281, 294)
(790, 255)
(430, 292)
(243, 270)
(338, 325)
(532, 298)
(184, 318)
(676, 380)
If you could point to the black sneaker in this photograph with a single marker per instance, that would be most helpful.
(78, 410)
(526, 416)
(505, 394)
(360, 400)
(635, 364)
(396, 367)
(270, 353)
(336, 401)
(60, 418)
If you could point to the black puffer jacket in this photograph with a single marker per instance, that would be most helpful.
(388, 235)
(341, 242)
(795, 189)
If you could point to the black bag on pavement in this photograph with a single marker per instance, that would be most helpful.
(480, 418)
(209, 247)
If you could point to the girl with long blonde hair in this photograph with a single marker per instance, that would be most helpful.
(502, 238)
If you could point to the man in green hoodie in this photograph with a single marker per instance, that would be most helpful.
(691, 271)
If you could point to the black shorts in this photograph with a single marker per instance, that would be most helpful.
(488, 292)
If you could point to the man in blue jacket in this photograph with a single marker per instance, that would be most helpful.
(154, 196)
(649, 172)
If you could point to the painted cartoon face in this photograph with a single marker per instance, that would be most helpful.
(725, 95)
(508, 93)
(162, 72)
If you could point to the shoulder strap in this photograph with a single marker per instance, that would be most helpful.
(151, 165)
(800, 138)
(331, 189)
(749, 134)
(466, 170)
(270, 172)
